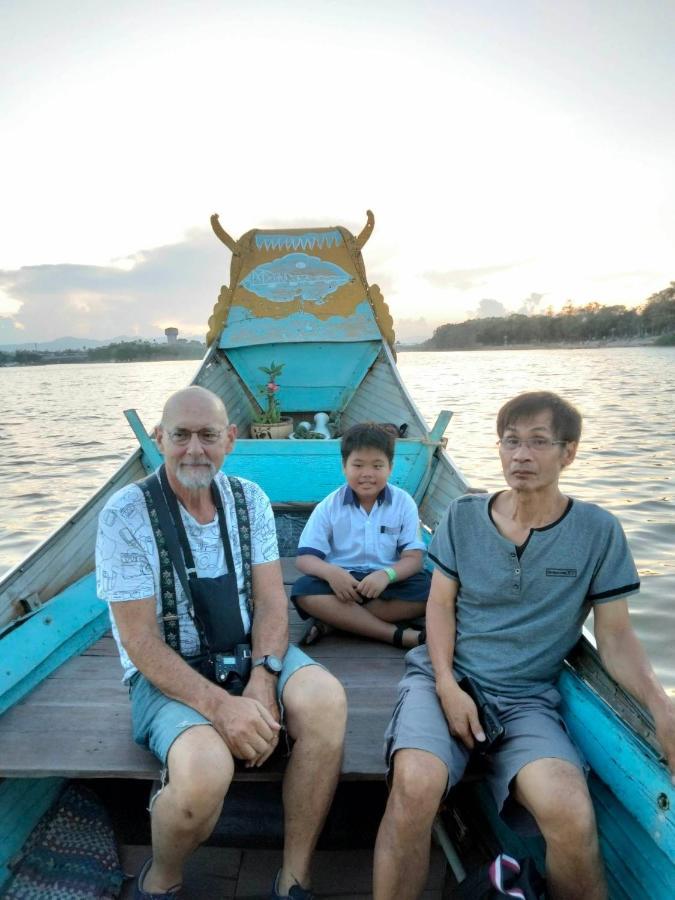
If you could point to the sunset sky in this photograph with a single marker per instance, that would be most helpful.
(507, 149)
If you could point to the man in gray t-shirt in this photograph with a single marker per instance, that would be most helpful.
(515, 576)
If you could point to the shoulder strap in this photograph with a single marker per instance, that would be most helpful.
(244, 529)
(170, 557)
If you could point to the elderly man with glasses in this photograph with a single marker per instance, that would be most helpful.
(516, 574)
(188, 561)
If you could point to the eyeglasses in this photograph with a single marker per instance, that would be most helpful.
(538, 444)
(182, 436)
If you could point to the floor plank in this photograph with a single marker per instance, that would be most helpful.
(76, 723)
(247, 875)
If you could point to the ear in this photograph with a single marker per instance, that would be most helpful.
(232, 432)
(158, 437)
(569, 453)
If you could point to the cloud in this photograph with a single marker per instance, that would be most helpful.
(414, 331)
(465, 279)
(489, 309)
(175, 284)
(530, 305)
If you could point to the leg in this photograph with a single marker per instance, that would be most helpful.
(355, 618)
(395, 610)
(186, 810)
(555, 793)
(404, 838)
(316, 716)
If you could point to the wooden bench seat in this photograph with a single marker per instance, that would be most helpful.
(76, 723)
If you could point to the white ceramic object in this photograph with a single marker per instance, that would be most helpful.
(321, 424)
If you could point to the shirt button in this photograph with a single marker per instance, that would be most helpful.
(516, 571)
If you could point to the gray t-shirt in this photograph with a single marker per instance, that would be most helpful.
(520, 610)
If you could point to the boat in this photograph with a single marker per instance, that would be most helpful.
(299, 297)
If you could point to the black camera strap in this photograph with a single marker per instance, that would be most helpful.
(174, 549)
(170, 557)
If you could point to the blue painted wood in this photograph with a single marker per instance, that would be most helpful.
(317, 377)
(626, 764)
(245, 330)
(439, 426)
(306, 471)
(636, 868)
(23, 802)
(151, 457)
(64, 627)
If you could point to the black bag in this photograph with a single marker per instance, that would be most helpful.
(503, 877)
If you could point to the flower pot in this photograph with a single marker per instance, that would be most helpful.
(267, 430)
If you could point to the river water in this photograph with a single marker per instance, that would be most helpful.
(62, 433)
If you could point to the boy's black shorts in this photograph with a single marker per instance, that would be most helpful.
(415, 588)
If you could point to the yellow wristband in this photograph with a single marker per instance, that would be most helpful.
(391, 573)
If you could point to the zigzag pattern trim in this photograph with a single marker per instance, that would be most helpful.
(307, 241)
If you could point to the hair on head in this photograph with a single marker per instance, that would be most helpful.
(565, 419)
(367, 436)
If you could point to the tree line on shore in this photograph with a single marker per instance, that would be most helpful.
(126, 351)
(655, 319)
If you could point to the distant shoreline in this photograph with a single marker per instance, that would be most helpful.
(554, 345)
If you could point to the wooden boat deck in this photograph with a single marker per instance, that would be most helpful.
(76, 723)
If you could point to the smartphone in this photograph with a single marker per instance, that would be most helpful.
(487, 715)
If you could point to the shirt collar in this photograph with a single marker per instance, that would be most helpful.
(350, 497)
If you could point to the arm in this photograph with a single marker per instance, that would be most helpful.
(245, 725)
(342, 583)
(459, 708)
(624, 658)
(409, 564)
(269, 635)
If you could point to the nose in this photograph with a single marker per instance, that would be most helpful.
(194, 444)
(522, 451)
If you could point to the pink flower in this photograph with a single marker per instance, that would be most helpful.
(272, 388)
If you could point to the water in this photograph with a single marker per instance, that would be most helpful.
(62, 434)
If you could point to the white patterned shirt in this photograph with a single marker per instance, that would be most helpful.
(127, 561)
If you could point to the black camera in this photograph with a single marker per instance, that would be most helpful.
(232, 670)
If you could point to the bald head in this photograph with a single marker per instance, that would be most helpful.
(194, 401)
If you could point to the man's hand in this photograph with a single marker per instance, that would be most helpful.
(373, 584)
(343, 585)
(460, 711)
(664, 722)
(247, 727)
(262, 687)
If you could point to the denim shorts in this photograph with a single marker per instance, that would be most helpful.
(415, 588)
(157, 720)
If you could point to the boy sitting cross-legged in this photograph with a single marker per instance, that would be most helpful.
(361, 552)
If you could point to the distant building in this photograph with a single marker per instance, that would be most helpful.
(171, 335)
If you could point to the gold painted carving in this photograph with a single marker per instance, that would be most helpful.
(346, 254)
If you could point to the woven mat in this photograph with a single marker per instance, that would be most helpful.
(70, 855)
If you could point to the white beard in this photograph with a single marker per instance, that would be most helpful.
(196, 478)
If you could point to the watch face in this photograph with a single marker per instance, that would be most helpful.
(273, 664)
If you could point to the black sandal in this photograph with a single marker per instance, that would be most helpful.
(397, 637)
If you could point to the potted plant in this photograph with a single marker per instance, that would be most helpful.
(270, 423)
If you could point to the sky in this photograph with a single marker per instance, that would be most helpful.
(515, 154)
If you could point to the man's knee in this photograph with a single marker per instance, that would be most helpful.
(561, 804)
(200, 771)
(315, 704)
(418, 784)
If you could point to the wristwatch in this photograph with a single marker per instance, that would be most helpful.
(272, 663)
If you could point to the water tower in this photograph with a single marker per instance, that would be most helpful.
(171, 335)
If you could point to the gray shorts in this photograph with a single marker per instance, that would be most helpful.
(158, 720)
(533, 730)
